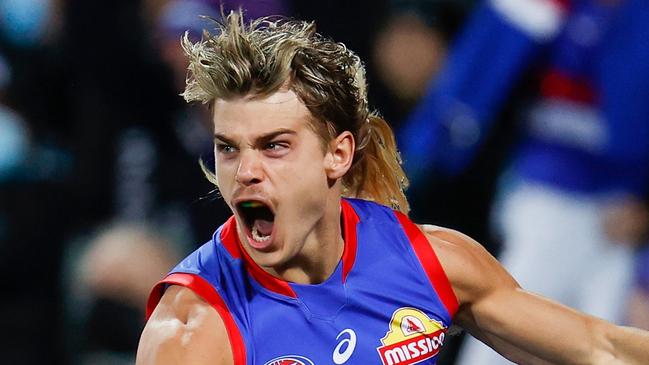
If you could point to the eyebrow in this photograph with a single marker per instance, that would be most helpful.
(261, 139)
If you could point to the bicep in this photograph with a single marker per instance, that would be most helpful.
(508, 318)
(184, 329)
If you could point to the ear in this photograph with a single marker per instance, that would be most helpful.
(340, 155)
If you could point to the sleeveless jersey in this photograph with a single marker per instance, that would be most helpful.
(388, 301)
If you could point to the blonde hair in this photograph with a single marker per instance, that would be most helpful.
(261, 57)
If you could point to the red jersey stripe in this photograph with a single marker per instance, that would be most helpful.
(206, 291)
(230, 239)
(350, 220)
(563, 4)
(430, 263)
(558, 85)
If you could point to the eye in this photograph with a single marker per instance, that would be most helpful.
(225, 148)
(276, 148)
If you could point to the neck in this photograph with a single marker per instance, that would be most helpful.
(322, 250)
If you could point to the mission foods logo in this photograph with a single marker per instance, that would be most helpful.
(290, 360)
(412, 338)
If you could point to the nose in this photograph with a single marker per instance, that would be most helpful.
(250, 169)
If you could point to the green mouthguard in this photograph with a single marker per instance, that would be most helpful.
(251, 204)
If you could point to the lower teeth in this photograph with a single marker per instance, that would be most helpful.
(257, 236)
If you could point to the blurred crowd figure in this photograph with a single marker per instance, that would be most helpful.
(93, 133)
(570, 207)
(109, 281)
(33, 168)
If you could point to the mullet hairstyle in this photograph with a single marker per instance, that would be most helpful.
(267, 54)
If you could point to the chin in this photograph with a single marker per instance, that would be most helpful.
(268, 260)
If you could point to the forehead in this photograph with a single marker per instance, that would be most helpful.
(282, 109)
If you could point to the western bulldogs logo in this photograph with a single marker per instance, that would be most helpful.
(290, 360)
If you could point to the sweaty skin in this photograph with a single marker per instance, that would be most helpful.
(266, 150)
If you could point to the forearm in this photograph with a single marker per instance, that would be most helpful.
(550, 331)
(507, 349)
(623, 345)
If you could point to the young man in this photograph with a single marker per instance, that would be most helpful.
(300, 275)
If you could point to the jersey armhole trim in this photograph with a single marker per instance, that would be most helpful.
(430, 263)
(206, 291)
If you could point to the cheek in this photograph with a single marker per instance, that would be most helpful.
(225, 177)
(305, 169)
(307, 181)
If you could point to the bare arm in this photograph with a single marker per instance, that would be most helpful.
(505, 348)
(184, 329)
(523, 326)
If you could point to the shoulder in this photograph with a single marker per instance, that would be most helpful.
(208, 261)
(184, 329)
(472, 272)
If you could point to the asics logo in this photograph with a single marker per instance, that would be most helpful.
(345, 347)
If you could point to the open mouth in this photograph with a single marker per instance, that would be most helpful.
(259, 220)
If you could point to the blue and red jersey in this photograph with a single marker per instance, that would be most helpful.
(586, 131)
(387, 302)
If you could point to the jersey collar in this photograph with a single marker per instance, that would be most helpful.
(230, 240)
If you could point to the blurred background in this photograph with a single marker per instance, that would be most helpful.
(523, 123)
